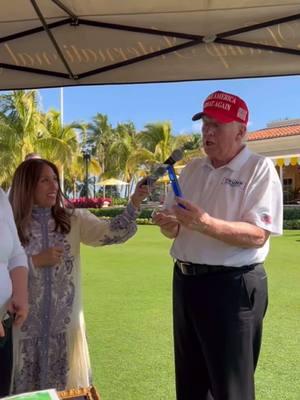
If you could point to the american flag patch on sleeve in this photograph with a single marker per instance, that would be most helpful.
(266, 218)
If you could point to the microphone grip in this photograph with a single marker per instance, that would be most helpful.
(174, 183)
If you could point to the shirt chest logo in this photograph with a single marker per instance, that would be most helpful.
(234, 183)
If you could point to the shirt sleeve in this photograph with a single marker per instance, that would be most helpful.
(97, 232)
(263, 202)
(18, 257)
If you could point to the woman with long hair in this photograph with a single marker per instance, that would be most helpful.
(51, 350)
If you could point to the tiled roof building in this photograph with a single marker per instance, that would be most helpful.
(281, 142)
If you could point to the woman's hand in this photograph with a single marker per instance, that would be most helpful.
(49, 257)
(140, 193)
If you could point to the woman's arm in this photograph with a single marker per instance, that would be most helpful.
(97, 232)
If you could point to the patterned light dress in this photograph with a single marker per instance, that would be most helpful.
(50, 350)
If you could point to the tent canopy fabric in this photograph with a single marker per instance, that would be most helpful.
(50, 43)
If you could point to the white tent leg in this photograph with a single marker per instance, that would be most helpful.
(281, 174)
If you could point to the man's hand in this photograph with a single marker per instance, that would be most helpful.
(18, 307)
(2, 332)
(191, 216)
(18, 304)
(236, 233)
(167, 222)
(49, 257)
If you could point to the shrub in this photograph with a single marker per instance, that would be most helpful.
(291, 213)
(144, 221)
(146, 213)
(291, 224)
(291, 216)
(107, 212)
(112, 212)
(119, 201)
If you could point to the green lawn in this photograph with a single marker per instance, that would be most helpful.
(127, 297)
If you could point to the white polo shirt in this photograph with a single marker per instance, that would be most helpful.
(12, 254)
(247, 189)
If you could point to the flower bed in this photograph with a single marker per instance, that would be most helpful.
(96, 202)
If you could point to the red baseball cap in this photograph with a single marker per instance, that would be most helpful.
(224, 108)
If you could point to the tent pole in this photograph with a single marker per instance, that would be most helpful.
(62, 124)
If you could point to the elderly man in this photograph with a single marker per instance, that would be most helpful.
(232, 203)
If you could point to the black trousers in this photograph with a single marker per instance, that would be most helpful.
(6, 358)
(217, 333)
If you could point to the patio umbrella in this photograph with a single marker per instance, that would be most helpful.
(165, 180)
(110, 182)
(178, 168)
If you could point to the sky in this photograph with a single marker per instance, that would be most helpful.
(268, 99)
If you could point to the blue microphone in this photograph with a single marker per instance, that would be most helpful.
(175, 184)
(174, 181)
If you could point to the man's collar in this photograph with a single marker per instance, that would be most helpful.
(235, 164)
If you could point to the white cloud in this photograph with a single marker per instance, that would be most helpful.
(194, 128)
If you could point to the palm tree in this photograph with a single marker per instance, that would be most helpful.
(75, 172)
(151, 146)
(101, 136)
(20, 130)
(58, 143)
(156, 143)
(126, 144)
(191, 144)
(158, 139)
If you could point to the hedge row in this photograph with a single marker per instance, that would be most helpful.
(291, 216)
(112, 212)
(291, 224)
(291, 213)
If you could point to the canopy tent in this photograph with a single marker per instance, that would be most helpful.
(111, 182)
(48, 43)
